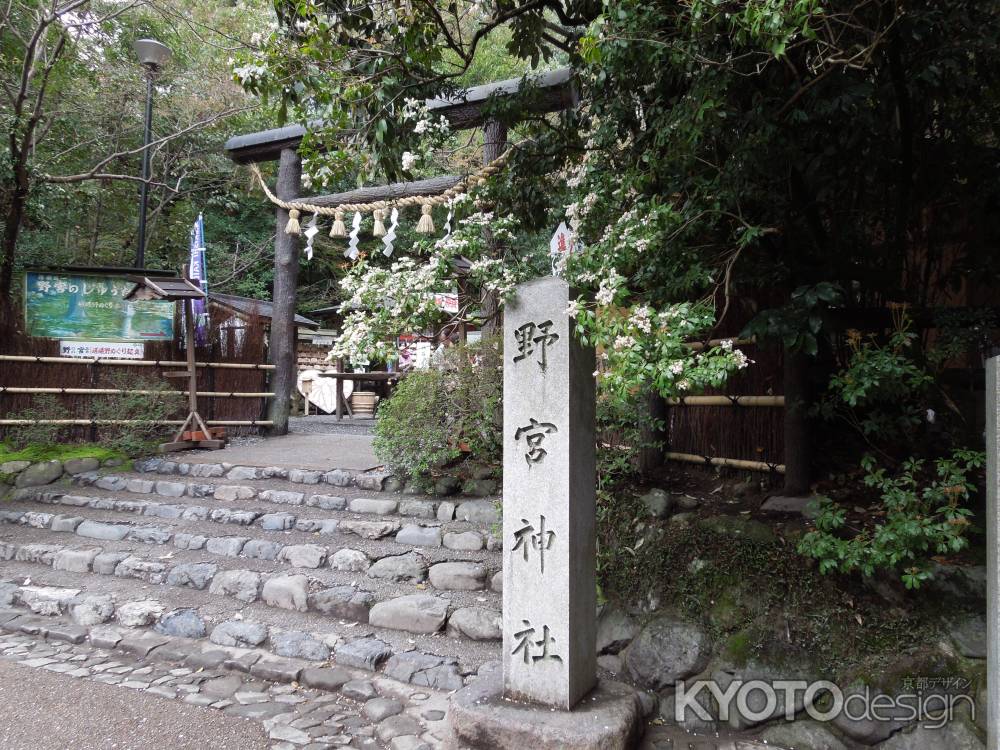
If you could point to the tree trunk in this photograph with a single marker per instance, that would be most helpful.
(286, 275)
(796, 366)
(652, 432)
(494, 144)
(13, 221)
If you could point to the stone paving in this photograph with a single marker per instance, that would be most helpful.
(328, 708)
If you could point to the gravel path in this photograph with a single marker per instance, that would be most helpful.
(86, 715)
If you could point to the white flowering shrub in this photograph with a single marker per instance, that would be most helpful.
(386, 301)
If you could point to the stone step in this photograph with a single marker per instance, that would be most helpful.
(366, 480)
(388, 575)
(91, 599)
(460, 536)
(297, 702)
(481, 511)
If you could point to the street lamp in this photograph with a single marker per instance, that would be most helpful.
(152, 55)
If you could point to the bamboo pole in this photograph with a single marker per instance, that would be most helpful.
(727, 401)
(84, 422)
(116, 391)
(132, 362)
(733, 463)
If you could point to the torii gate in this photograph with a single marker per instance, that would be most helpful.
(554, 92)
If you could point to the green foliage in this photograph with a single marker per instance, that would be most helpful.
(37, 436)
(881, 392)
(419, 431)
(924, 514)
(411, 434)
(155, 404)
(60, 451)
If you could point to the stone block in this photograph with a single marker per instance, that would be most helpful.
(407, 567)
(480, 719)
(37, 520)
(287, 592)
(139, 486)
(192, 575)
(76, 466)
(304, 555)
(144, 570)
(348, 559)
(207, 470)
(225, 545)
(369, 529)
(243, 473)
(477, 623)
(419, 536)
(465, 541)
(234, 492)
(183, 540)
(415, 613)
(339, 478)
(426, 509)
(299, 645)
(106, 562)
(37, 553)
(243, 585)
(446, 510)
(239, 633)
(182, 623)
(196, 513)
(261, 549)
(324, 679)
(170, 489)
(150, 534)
(276, 670)
(75, 560)
(458, 576)
(282, 497)
(344, 602)
(42, 473)
(92, 609)
(363, 653)
(376, 506)
(373, 481)
(139, 614)
(113, 532)
(478, 511)
(46, 600)
(277, 521)
(327, 502)
(304, 476)
(159, 510)
(418, 668)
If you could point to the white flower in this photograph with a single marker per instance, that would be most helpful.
(676, 368)
(624, 342)
(641, 319)
(421, 126)
(573, 309)
(409, 159)
(683, 385)
(727, 344)
(742, 360)
(605, 296)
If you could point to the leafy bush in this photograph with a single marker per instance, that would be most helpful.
(434, 414)
(45, 406)
(924, 515)
(155, 403)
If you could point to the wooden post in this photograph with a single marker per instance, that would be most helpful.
(286, 275)
(796, 376)
(992, 553)
(494, 144)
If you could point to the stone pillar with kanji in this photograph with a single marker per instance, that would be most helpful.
(549, 472)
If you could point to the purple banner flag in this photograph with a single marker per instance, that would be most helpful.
(198, 273)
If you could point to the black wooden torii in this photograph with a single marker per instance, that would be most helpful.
(553, 92)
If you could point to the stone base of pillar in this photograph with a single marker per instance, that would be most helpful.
(480, 718)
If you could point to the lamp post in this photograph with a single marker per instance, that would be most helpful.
(152, 55)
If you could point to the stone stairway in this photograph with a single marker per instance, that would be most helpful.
(322, 579)
(296, 564)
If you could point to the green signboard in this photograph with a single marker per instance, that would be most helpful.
(92, 308)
